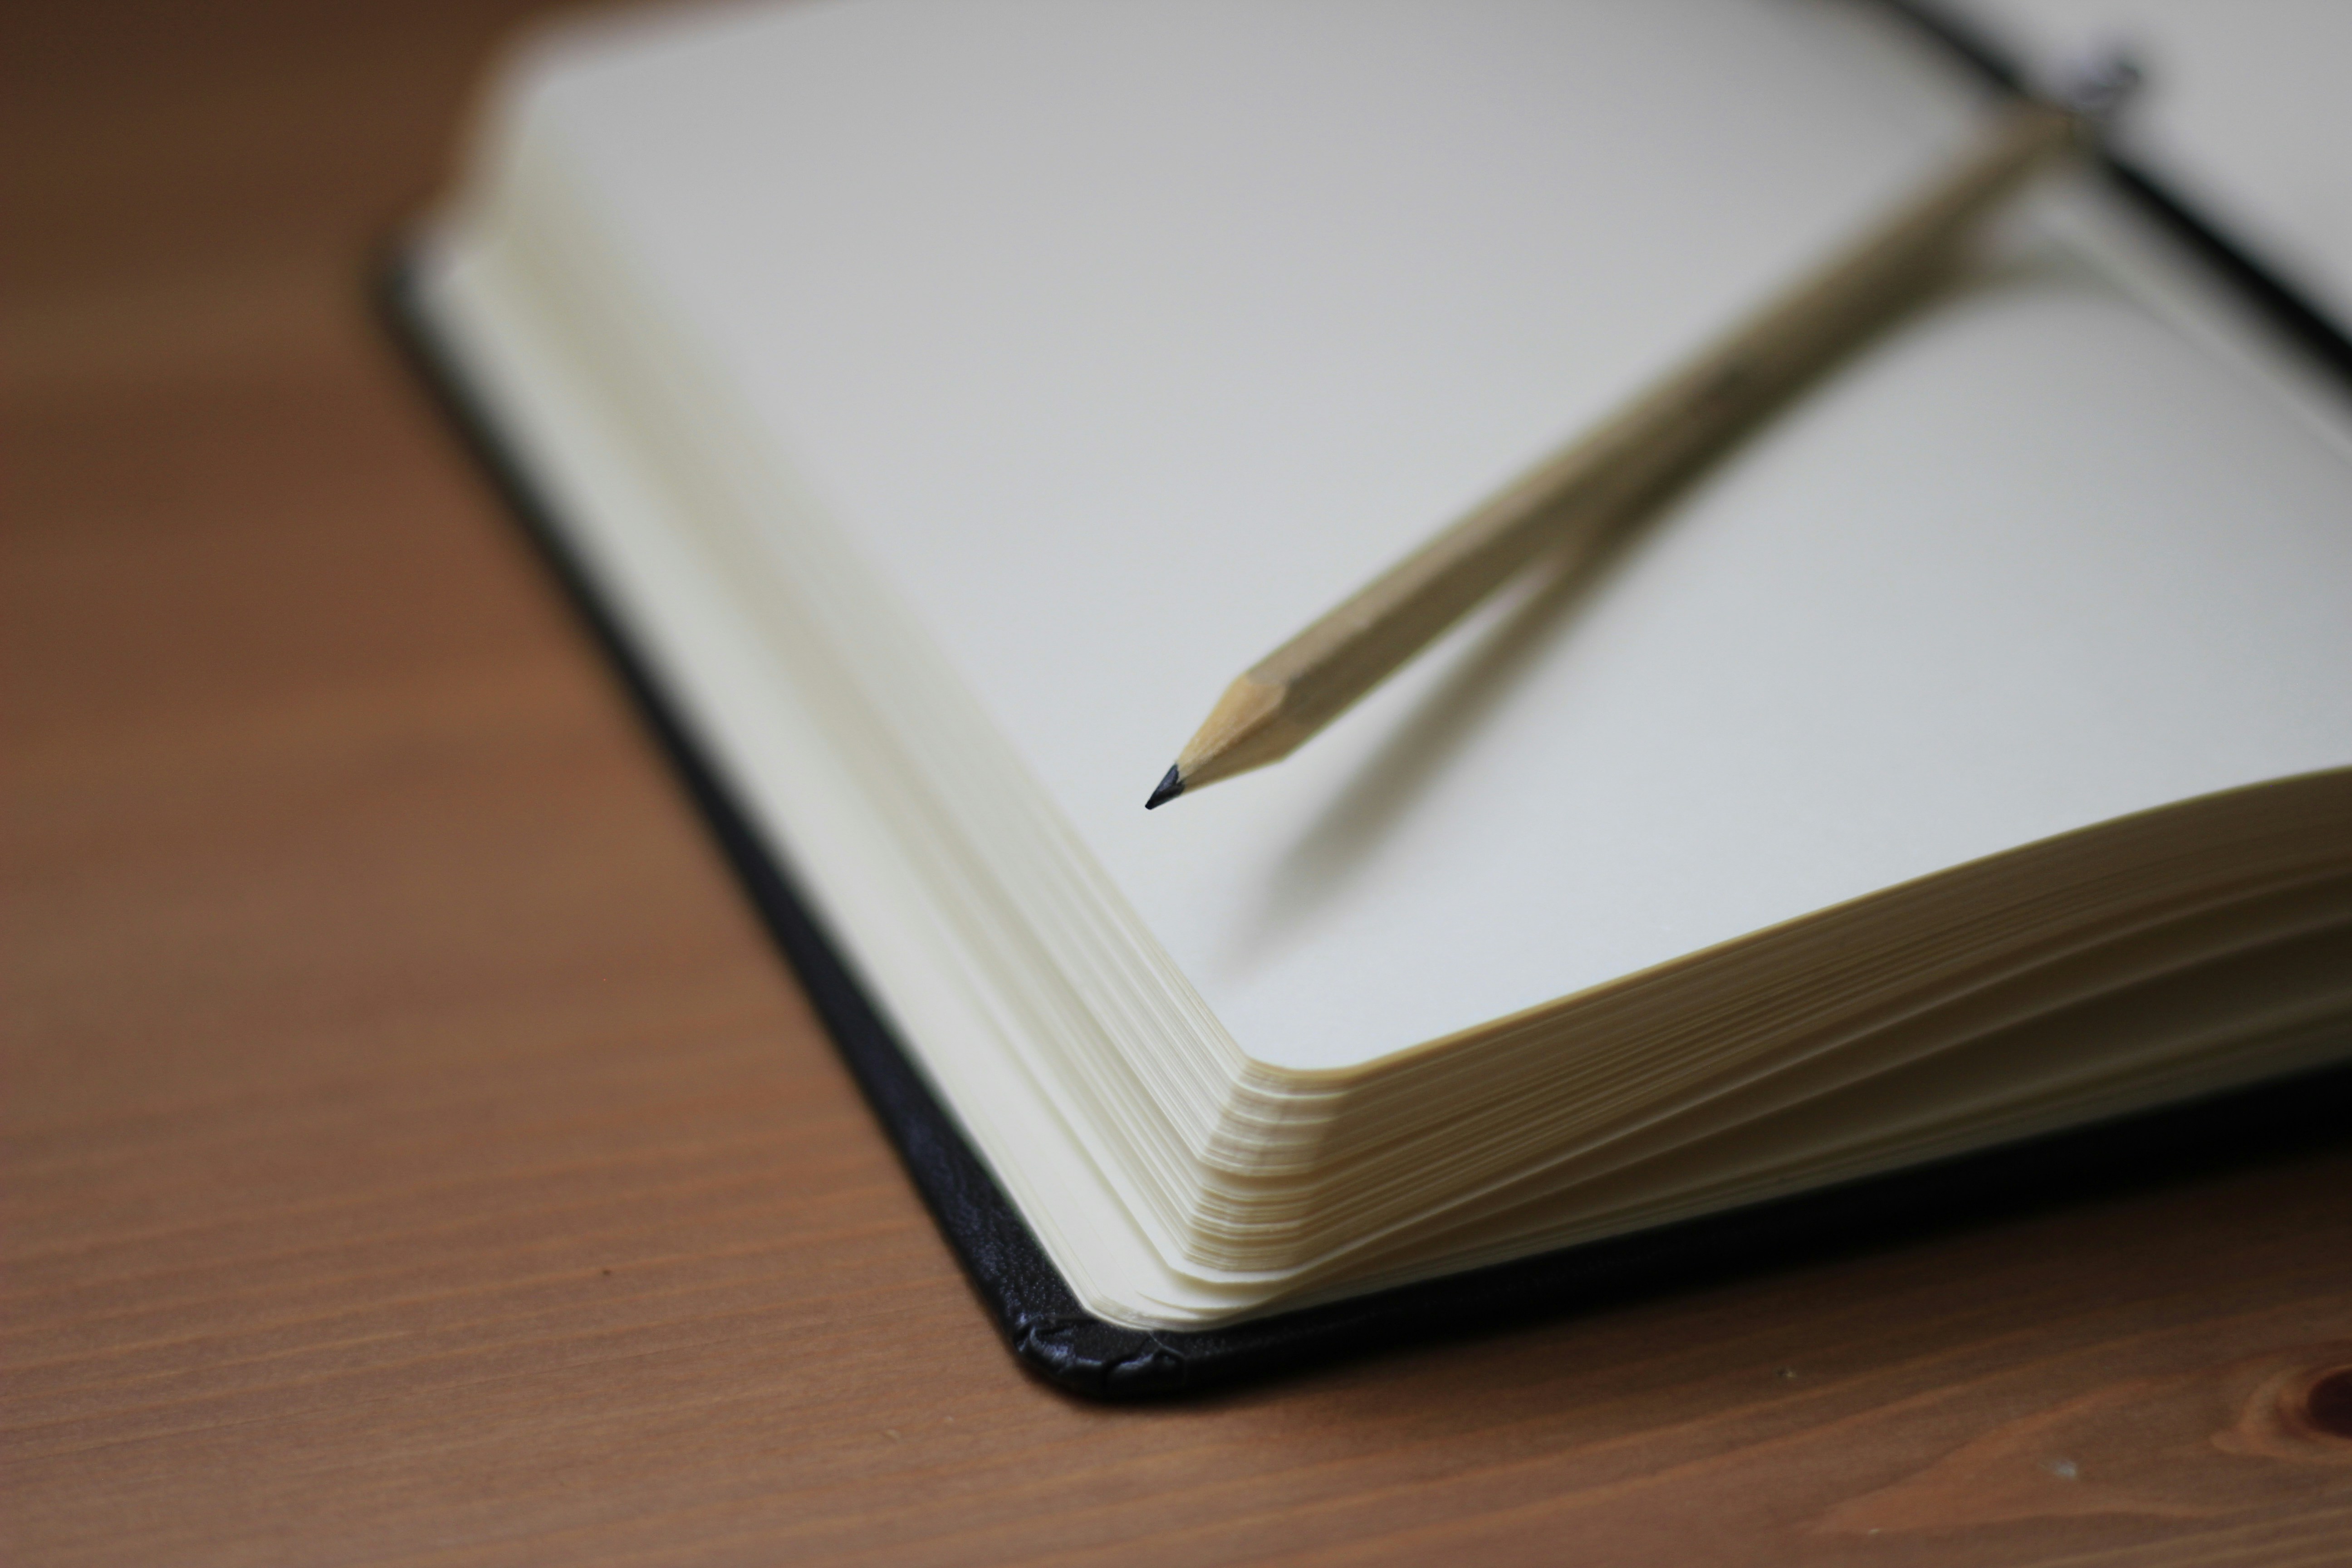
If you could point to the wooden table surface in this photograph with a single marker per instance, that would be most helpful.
(415, 1154)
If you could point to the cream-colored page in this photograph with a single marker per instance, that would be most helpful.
(1120, 373)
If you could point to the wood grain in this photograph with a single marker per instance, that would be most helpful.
(414, 1154)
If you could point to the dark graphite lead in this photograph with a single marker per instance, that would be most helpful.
(1170, 788)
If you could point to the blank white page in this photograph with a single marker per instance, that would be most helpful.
(1124, 340)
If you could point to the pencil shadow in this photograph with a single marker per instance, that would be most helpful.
(1344, 838)
(1323, 861)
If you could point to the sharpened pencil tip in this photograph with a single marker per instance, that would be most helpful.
(1170, 788)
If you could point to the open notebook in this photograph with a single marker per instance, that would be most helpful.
(1964, 757)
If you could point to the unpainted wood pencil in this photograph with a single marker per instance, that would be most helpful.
(1604, 476)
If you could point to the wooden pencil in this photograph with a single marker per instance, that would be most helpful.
(1605, 475)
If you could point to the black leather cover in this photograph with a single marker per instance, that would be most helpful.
(1034, 1308)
